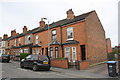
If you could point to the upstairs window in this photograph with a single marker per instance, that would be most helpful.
(70, 33)
(8, 44)
(36, 41)
(29, 39)
(0, 44)
(15, 42)
(53, 35)
(19, 43)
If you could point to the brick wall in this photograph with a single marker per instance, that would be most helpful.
(59, 63)
(84, 65)
(96, 40)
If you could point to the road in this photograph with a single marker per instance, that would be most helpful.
(13, 70)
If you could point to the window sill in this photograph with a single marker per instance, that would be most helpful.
(69, 39)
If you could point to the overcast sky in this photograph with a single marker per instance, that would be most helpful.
(14, 14)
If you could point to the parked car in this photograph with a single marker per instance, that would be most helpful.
(5, 58)
(36, 62)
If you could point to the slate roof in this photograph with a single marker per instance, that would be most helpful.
(36, 45)
(59, 23)
(23, 45)
(63, 22)
(55, 43)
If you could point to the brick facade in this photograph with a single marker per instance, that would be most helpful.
(79, 38)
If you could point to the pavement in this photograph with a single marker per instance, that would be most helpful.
(13, 70)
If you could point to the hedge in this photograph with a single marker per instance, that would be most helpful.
(23, 55)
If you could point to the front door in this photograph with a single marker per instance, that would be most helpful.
(46, 51)
(83, 52)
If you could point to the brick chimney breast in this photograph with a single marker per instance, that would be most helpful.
(5, 36)
(24, 29)
(70, 14)
(42, 23)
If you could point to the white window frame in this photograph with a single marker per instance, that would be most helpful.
(55, 35)
(73, 54)
(36, 39)
(51, 52)
(25, 50)
(56, 52)
(66, 53)
(37, 51)
(70, 29)
(28, 41)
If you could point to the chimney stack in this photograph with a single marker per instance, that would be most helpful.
(5, 36)
(42, 23)
(70, 14)
(24, 29)
(108, 42)
(13, 33)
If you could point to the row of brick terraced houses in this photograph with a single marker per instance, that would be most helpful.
(78, 38)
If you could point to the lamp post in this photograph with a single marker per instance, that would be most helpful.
(48, 34)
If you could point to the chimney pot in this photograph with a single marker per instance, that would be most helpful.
(42, 23)
(5, 36)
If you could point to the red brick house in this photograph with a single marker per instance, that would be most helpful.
(78, 38)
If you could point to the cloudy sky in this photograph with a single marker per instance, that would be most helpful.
(14, 14)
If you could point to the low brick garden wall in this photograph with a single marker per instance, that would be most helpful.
(59, 63)
(84, 65)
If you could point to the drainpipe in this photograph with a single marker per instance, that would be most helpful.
(61, 40)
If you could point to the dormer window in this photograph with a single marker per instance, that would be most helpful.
(70, 33)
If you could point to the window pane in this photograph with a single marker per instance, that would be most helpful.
(51, 52)
(68, 53)
(56, 52)
(37, 39)
(69, 32)
(74, 54)
(53, 34)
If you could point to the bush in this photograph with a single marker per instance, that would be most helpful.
(62, 58)
(23, 55)
(111, 56)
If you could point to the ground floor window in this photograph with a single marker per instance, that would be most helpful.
(37, 51)
(51, 52)
(73, 54)
(56, 52)
(3, 52)
(67, 51)
(25, 50)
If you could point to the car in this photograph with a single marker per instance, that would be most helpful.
(36, 62)
(5, 58)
